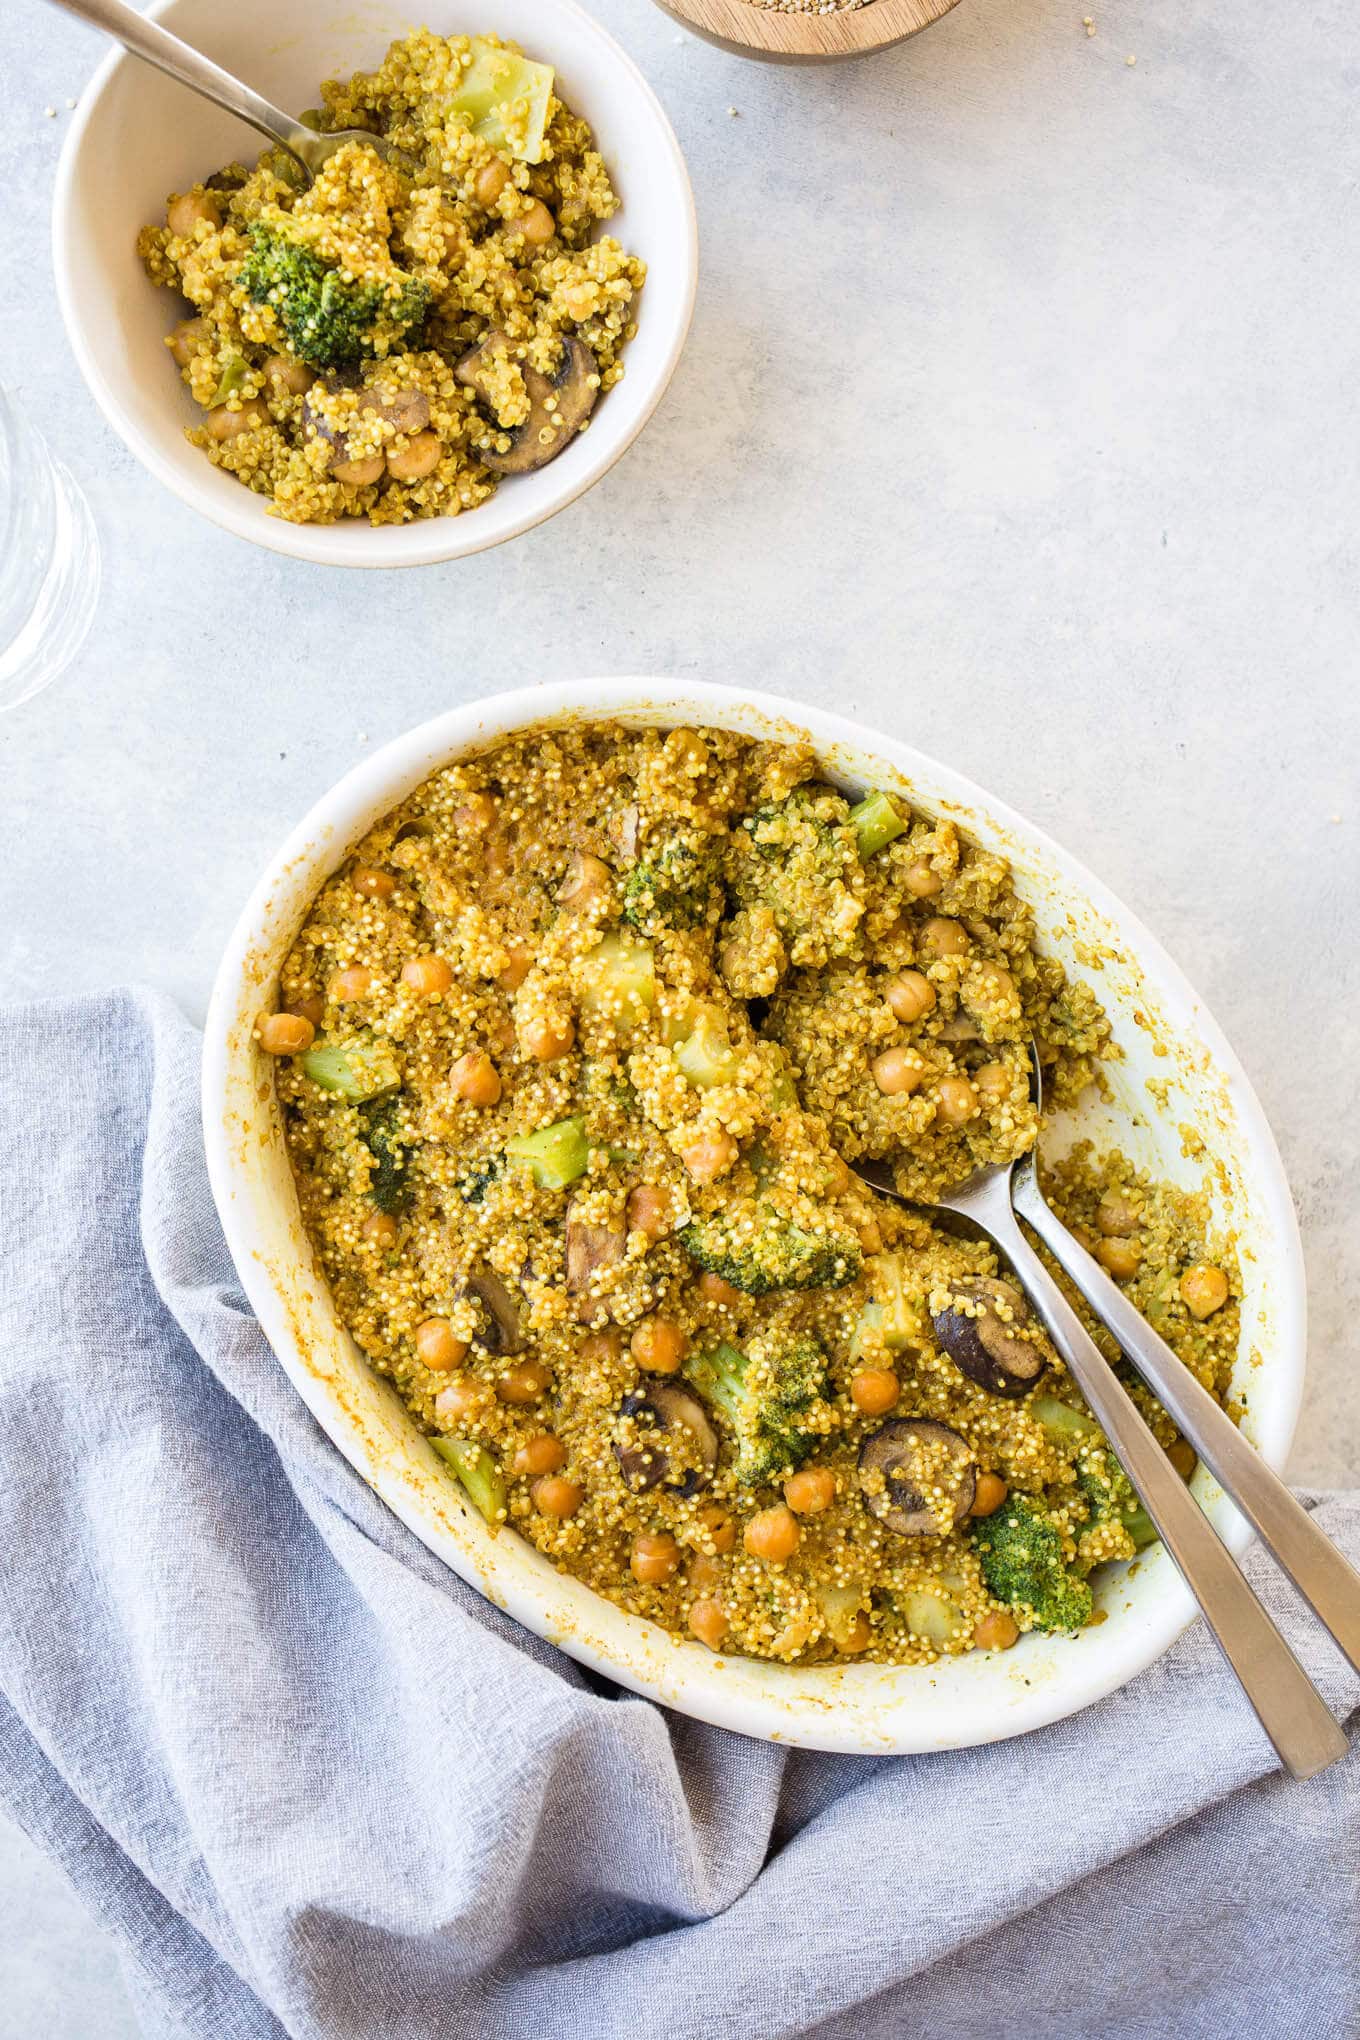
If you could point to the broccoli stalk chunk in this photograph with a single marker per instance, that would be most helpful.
(478, 1473)
(705, 1056)
(505, 98)
(556, 1155)
(876, 823)
(358, 1070)
(772, 1253)
(1021, 1554)
(618, 982)
(675, 887)
(330, 320)
(772, 1404)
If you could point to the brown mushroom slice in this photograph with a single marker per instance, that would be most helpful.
(918, 1477)
(406, 410)
(590, 1248)
(502, 1333)
(558, 405)
(994, 1347)
(672, 1442)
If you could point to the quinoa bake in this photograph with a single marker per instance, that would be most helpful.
(393, 339)
(573, 1053)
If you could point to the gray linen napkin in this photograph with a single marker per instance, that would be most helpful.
(314, 1785)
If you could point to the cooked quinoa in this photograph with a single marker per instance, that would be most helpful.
(573, 1053)
(397, 337)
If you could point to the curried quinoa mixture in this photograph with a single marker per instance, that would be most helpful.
(396, 338)
(573, 1053)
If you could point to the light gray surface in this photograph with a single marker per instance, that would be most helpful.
(1019, 415)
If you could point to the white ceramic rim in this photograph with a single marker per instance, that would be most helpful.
(741, 1694)
(449, 538)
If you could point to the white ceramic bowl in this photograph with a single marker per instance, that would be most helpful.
(138, 136)
(1169, 1040)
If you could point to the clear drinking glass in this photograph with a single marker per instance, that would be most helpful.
(49, 559)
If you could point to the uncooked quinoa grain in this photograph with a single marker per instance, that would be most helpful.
(581, 1191)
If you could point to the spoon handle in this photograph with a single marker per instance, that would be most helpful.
(147, 39)
(1288, 1705)
(1327, 1582)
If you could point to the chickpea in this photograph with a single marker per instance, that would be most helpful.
(772, 1534)
(658, 1346)
(654, 1559)
(1183, 1457)
(361, 473)
(547, 1040)
(910, 995)
(837, 1177)
(476, 814)
(286, 377)
(602, 1348)
(922, 880)
(996, 1631)
(588, 883)
(992, 1082)
(421, 457)
(543, 1453)
(869, 1233)
(988, 1495)
(354, 982)
(956, 1102)
(523, 1384)
(809, 1492)
(708, 1621)
(491, 181)
(1117, 1215)
(224, 423)
(704, 1574)
(715, 1528)
(475, 1077)
(709, 1155)
(373, 884)
(183, 214)
(537, 225)
(897, 1072)
(856, 1636)
(554, 1495)
(426, 976)
(649, 1210)
(942, 937)
(438, 1345)
(874, 1391)
(312, 1007)
(1204, 1289)
(517, 968)
(181, 340)
(713, 1289)
(380, 1230)
(1119, 1258)
(285, 1033)
(462, 1402)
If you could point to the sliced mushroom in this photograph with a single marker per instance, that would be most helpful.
(558, 405)
(917, 1476)
(590, 1248)
(406, 410)
(993, 1342)
(503, 1332)
(671, 1441)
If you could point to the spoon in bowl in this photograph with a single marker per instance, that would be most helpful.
(148, 40)
(1288, 1705)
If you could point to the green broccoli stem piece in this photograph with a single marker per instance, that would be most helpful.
(358, 1070)
(556, 1155)
(876, 823)
(706, 1057)
(479, 1474)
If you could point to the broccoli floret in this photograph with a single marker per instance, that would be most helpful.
(330, 321)
(800, 859)
(772, 1401)
(473, 1186)
(772, 1254)
(389, 1179)
(1113, 1500)
(1021, 1553)
(675, 887)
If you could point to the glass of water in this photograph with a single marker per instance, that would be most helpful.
(49, 559)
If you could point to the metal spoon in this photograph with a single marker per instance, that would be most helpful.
(1287, 1704)
(147, 39)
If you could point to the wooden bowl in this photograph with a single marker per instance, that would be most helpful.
(750, 31)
